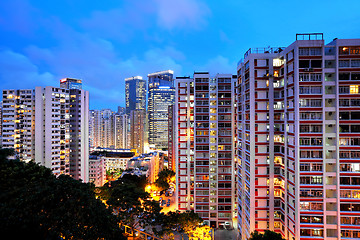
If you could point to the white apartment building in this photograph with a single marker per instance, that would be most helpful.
(298, 131)
(48, 125)
(204, 143)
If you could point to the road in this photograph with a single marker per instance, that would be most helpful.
(223, 234)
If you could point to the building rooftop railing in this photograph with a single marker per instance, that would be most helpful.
(309, 36)
(261, 50)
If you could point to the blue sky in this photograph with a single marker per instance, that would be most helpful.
(103, 42)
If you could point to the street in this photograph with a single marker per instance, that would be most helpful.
(224, 234)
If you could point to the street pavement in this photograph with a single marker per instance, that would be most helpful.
(224, 234)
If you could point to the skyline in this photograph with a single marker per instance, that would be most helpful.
(103, 44)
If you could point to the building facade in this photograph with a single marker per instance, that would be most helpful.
(17, 123)
(97, 170)
(297, 139)
(161, 94)
(41, 125)
(137, 130)
(204, 143)
(135, 94)
(122, 131)
(171, 137)
(102, 128)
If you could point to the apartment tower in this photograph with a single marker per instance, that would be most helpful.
(48, 125)
(298, 131)
(204, 143)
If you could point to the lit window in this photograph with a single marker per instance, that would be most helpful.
(354, 89)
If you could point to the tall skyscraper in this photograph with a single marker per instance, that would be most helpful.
(298, 139)
(137, 129)
(161, 94)
(135, 94)
(204, 144)
(40, 125)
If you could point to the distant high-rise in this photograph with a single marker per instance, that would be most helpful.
(137, 129)
(71, 83)
(48, 125)
(161, 94)
(121, 125)
(135, 94)
(121, 110)
(102, 125)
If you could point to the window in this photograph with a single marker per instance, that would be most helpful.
(354, 89)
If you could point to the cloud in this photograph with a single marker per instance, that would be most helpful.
(218, 64)
(99, 64)
(181, 13)
(17, 71)
(137, 18)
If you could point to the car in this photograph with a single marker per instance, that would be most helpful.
(227, 225)
(163, 202)
(168, 200)
(168, 204)
(160, 199)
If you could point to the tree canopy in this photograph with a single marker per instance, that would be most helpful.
(36, 204)
(131, 203)
(267, 235)
(162, 183)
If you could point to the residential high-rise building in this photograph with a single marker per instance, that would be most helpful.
(161, 94)
(102, 128)
(171, 137)
(135, 94)
(18, 118)
(121, 131)
(137, 130)
(40, 125)
(71, 83)
(204, 144)
(0, 121)
(298, 139)
(79, 129)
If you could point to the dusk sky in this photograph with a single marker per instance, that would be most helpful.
(103, 42)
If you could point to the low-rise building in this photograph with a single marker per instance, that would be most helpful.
(97, 170)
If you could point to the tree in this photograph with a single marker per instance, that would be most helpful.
(268, 235)
(188, 223)
(131, 203)
(164, 178)
(36, 204)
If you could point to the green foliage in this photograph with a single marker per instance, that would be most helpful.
(130, 201)
(162, 183)
(182, 222)
(36, 204)
(268, 235)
